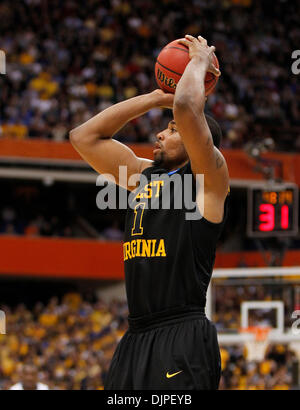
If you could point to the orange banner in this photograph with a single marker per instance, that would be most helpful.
(88, 259)
(47, 257)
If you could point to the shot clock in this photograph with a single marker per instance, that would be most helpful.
(272, 210)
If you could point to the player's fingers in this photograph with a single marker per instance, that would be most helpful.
(189, 37)
(213, 69)
(202, 40)
(184, 42)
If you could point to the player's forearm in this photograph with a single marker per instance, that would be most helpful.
(112, 119)
(190, 91)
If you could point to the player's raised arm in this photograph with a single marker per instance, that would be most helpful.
(190, 119)
(93, 139)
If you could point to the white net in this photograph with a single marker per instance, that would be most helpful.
(256, 349)
(257, 345)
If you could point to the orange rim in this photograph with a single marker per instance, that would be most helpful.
(260, 333)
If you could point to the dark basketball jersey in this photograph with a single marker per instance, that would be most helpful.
(168, 257)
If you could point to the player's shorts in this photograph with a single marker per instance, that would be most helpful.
(175, 351)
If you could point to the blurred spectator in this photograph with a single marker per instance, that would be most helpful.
(113, 233)
(29, 380)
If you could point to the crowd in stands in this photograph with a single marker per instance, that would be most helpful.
(10, 224)
(33, 210)
(228, 299)
(55, 226)
(67, 61)
(274, 372)
(71, 342)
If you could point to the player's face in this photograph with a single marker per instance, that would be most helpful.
(169, 150)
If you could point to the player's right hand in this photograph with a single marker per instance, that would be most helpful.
(199, 50)
(164, 100)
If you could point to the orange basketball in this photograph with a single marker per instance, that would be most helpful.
(170, 65)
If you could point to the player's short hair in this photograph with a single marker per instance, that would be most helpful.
(215, 130)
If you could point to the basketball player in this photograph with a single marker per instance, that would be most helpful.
(169, 260)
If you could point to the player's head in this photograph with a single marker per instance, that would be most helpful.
(169, 150)
(29, 377)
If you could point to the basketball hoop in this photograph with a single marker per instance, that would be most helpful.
(257, 346)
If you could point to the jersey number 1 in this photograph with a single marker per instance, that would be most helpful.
(138, 216)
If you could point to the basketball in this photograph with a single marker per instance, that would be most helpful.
(170, 65)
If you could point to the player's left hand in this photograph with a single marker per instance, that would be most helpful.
(199, 49)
